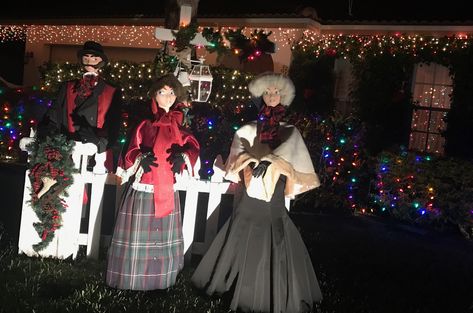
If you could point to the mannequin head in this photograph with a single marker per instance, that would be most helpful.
(272, 96)
(273, 88)
(164, 92)
(92, 57)
(165, 97)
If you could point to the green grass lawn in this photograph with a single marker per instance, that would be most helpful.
(30, 284)
(363, 264)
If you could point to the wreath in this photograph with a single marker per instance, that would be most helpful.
(51, 168)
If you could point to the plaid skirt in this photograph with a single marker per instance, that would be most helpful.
(146, 252)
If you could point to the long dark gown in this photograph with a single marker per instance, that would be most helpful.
(260, 248)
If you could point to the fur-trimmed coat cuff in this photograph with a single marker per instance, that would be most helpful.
(263, 187)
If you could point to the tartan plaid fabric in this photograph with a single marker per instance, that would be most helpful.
(146, 252)
(268, 123)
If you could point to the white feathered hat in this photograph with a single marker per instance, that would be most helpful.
(269, 79)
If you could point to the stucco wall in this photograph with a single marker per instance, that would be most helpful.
(130, 43)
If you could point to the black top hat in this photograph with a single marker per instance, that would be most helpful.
(92, 47)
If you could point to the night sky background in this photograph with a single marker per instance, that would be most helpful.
(400, 10)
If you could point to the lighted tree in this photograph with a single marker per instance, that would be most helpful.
(12, 123)
(215, 122)
(336, 146)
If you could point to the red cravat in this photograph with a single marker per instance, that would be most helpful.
(87, 85)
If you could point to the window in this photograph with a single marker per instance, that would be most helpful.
(432, 87)
(343, 81)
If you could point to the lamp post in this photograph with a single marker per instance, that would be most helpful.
(200, 78)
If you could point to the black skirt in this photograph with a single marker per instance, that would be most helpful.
(259, 255)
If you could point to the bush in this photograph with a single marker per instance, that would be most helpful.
(421, 189)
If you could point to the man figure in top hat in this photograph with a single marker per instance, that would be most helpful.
(87, 109)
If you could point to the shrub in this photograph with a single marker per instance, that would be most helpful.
(421, 189)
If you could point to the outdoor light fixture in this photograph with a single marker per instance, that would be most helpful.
(200, 81)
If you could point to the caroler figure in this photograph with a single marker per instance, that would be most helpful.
(87, 109)
(146, 251)
(259, 255)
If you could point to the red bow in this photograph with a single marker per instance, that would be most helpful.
(168, 134)
(167, 119)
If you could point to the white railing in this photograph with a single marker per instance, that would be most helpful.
(68, 238)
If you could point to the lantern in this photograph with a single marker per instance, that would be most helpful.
(181, 75)
(201, 82)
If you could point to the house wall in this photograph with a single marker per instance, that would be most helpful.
(60, 43)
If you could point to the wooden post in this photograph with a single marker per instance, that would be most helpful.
(187, 10)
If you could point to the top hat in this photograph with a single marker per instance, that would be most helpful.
(92, 47)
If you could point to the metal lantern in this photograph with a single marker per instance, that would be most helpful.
(201, 82)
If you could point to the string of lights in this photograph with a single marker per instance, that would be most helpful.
(124, 35)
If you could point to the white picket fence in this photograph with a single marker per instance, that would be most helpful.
(68, 238)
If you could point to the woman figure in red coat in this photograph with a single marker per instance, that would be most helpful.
(146, 251)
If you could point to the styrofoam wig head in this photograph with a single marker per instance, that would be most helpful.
(265, 80)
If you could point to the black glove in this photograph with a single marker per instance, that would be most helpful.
(175, 148)
(176, 160)
(79, 120)
(87, 134)
(176, 157)
(86, 131)
(260, 169)
(147, 161)
(46, 128)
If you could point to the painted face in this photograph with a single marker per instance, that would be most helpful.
(90, 62)
(165, 98)
(272, 96)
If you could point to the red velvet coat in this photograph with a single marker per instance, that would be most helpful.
(158, 135)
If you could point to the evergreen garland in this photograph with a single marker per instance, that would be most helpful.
(251, 47)
(216, 41)
(184, 35)
(50, 158)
